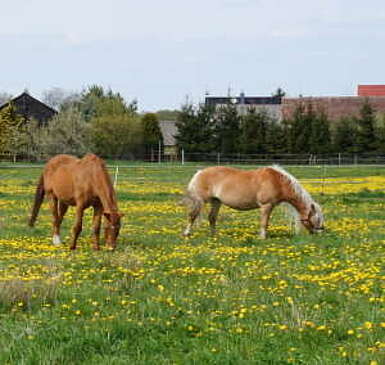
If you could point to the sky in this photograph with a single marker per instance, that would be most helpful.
(163, 53)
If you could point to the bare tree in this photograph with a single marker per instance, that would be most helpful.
(59, 98)
(4, 97)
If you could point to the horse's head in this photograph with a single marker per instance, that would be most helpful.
(314, 221)
(112, 228)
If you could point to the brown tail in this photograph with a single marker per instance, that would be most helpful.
(39, 196)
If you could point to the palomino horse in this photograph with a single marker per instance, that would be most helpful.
(245, 190)
(84, 182)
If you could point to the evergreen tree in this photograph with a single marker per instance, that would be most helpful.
(253, 131)
(152, 134)
(320, 140)
(195, 129)
(345, 136)
(366, 138)
(276, 137)
(279, 93)
(380, 133)
(227, 129)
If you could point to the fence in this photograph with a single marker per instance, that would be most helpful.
(335, 159)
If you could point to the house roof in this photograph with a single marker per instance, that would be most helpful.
(27, 96)
(31, 108)
(169, 131)
(243, 100)
(371, 90)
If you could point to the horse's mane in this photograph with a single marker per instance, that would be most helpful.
(92, 159)
(299, 191)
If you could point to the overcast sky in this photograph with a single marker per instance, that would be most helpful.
(159, 52)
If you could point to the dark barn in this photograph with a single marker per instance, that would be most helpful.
(31, 108)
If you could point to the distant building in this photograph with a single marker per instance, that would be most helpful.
(271, 104)
(335, 107)
(371, 90)
(169, 130)
(31, 108)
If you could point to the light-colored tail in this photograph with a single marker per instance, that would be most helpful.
(39, 197)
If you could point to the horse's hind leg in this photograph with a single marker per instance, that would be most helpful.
(61, 210)
(265, 216)
(55, 220)
(77, 228)
(195, 210)
(213, 214)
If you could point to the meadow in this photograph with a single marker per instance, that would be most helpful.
(164, 299)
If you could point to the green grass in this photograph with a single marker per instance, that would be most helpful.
(163, 299)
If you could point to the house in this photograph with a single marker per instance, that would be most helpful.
(169, 130)
(31, 108)
(271, 104)
(335, 107)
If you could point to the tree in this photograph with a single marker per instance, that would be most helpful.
(279, 93)
(114, 125)
(299, 131)
(320, 140)
(195, 128)
(67, 132)
(276, 137)
(116, 135)
(366, 137)
(345, 136)
(58, 98)
(227, 129)
(4, 97)
(11, 125)
(380, 133)
(166, 114)
(152, 134)
(253, 131)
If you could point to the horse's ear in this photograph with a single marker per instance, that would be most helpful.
(312, 210)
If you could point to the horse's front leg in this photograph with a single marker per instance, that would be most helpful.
(96, 223)
(77, 228)
(265, 216)
(196, 209)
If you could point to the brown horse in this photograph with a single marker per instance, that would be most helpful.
(245, 190)
(83, 183)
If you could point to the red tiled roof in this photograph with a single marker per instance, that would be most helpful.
(371, 90)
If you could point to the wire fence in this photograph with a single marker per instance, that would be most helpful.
(216, 158)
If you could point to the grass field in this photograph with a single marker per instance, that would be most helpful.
(163, 299)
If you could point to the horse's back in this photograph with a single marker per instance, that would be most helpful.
(58, 177)
(244, 189)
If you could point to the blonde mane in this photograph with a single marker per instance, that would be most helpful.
(299, 191)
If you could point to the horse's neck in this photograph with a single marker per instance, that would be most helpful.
(301, 206)
(106, 194)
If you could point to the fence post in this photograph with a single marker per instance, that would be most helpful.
(339, 159)
(116, 177)
(218, 158)
(182, 155)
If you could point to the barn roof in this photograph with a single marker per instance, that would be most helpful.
(31, 108)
